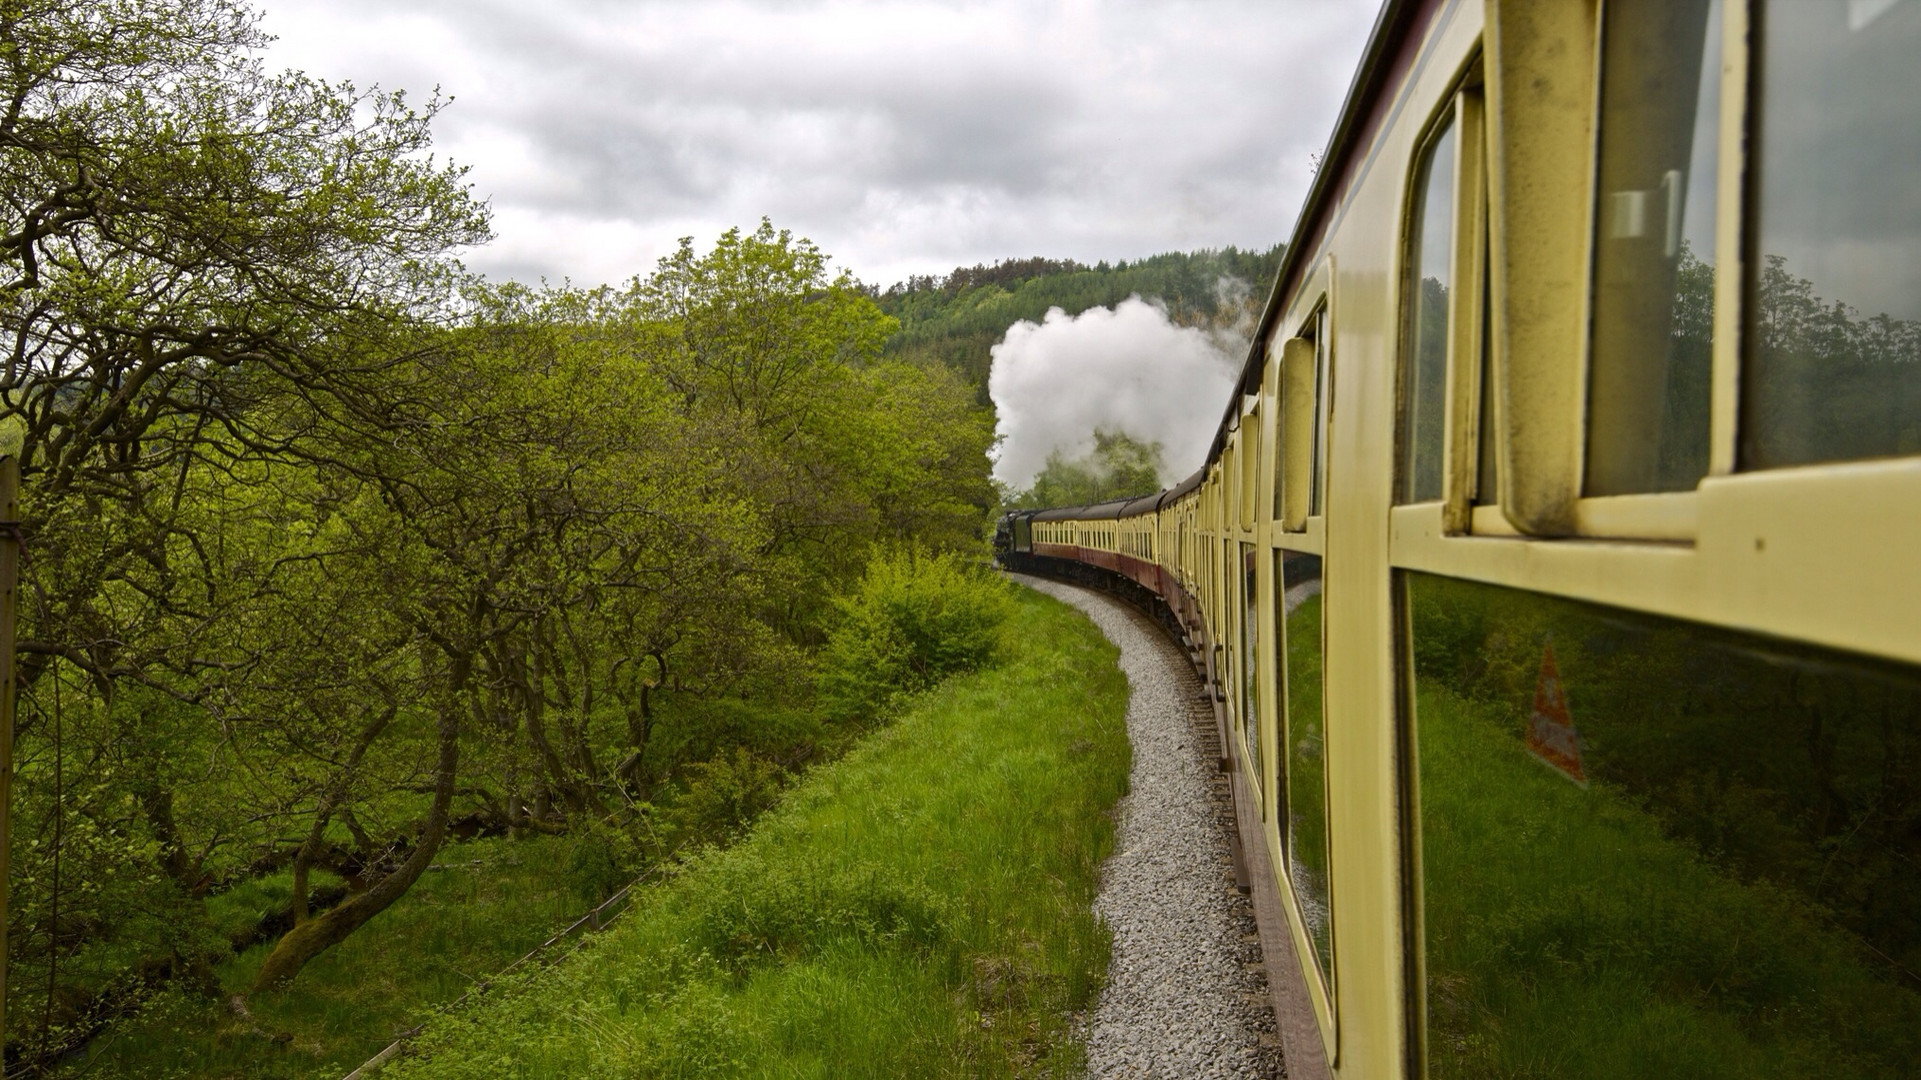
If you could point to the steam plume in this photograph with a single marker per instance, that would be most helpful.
(1122, 369)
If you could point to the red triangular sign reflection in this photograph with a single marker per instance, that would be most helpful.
(1550, 729)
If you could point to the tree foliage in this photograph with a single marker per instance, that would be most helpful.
(337, 553)
(1118, 466)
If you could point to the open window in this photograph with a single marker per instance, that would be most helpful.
(1446, 446)
(1300, 474)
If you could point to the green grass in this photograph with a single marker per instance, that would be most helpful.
(921, 907)
(1569, 936)
(497, 900)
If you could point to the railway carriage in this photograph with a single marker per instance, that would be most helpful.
(1554, 565)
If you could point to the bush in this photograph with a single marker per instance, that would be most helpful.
(913, 620)
(604, 854)
(725, 795)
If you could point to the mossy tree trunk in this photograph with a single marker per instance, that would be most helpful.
(314, 936)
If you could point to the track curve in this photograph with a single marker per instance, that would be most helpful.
(1185, 996)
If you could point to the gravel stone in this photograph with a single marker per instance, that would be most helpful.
(1185, 994)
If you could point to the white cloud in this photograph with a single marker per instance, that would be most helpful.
(903, 136)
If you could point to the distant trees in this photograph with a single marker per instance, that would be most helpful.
(1119, 465)
(1006, 272)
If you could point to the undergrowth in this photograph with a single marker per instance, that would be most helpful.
(921, 907)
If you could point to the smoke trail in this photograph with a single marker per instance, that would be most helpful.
(1122, 369)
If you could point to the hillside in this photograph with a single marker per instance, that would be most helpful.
(956, 319)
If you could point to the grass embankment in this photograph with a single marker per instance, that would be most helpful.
(919, 908)
(1568, 936)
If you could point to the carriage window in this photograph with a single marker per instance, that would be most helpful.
(1429, 274)
(1305, 832)
(1315, 330)
(1250, 464)
(1487, 472)
(1657, 849)
(1323, 400)
(1277, 622)
(1653, 349)
(1250, 665)
(1833, 366)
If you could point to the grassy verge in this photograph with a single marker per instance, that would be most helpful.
(919, 908)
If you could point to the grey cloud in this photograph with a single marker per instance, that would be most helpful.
(903, 137)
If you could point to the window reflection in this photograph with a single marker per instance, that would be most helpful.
(1306, 832)
(1250, 664)
(1323, 376)
(1834, 306)
(1656, 849)
(1648, 401)
(1278, 612)
(1430, 274)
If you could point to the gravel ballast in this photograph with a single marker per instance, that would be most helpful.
(1185, 995)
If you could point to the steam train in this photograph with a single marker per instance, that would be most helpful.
(1553, 567)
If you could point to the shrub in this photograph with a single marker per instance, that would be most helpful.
(604, 854)
(725, 795)
(913, 620)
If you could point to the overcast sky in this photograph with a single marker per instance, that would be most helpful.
(902, 137)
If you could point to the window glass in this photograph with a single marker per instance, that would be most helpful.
(1323, 396)
(1307, 838)
(1834, 304)
(1487, 473)
(1429, 276)
(1650, 380)
(1657, 849)
(1250, 459)
(1250, 665)
(1278, 613)
(1280, 441)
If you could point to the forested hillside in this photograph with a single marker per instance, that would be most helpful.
(339, 557)
(957, 318)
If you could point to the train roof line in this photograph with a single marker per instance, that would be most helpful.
(1378, 66)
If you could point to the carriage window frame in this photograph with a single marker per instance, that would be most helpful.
(1469, 390)
(1444, 129)
(1313, 320)
(1312, 317)
(1248, 449)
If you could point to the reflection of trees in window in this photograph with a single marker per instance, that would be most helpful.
(1744, 865)
(1684, 454)
(1429, 274)
(1823, 382)
(1428, 413)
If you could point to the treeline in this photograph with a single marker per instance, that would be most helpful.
(1118, 466)
(1003, 272)
(957, 319)
(336, 553)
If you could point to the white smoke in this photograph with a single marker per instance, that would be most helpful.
(1127, 369)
